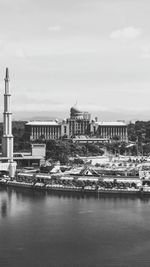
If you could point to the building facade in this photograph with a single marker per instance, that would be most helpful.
(77, 124)
(110, 130)
(44, 130)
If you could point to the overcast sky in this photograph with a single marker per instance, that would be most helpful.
(96, 52)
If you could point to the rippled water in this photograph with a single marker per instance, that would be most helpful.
(40, 229)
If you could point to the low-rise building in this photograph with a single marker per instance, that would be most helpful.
(44, 130)
(35, 157)
(110, 130)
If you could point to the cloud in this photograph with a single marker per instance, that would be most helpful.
(54, 28)
(19, 52)
(128, 33)
(145, 51)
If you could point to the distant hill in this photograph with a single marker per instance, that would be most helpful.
(102, 115)
(26, 116)
(44, 118)
(121, 115)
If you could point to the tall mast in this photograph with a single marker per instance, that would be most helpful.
(7, 141)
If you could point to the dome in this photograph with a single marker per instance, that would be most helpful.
(74, 112)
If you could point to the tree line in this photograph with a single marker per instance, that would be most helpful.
(138, 133)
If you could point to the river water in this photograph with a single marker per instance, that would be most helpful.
(64, 230)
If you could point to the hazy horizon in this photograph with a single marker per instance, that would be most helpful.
(102, 115)
(95, 52)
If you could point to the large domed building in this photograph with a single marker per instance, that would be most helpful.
(77, 124)
(76, 113)
(80, 124)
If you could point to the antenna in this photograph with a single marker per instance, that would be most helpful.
(76, 103)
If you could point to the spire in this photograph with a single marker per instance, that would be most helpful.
(7, 75)
(7, 91)
(7, 141)
(76, 103)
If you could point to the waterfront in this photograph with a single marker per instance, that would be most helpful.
(58, 229)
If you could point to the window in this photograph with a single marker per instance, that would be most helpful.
(65, 129)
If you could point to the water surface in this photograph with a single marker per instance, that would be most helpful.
(64, 230)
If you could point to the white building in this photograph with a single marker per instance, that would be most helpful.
(44, 130)
(78, 125)
(109, 130)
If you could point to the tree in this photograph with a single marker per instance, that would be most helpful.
(94, 149)
(58, 151)
(78, 161)
(116, 138)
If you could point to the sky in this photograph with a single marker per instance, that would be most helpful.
(93, 52)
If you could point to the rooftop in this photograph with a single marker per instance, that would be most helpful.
(112, 123)
(42, 123)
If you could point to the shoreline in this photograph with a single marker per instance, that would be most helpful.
(65, 189)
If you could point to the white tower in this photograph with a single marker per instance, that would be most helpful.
(7, 140)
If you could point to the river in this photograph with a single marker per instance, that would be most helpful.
(72, 230)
